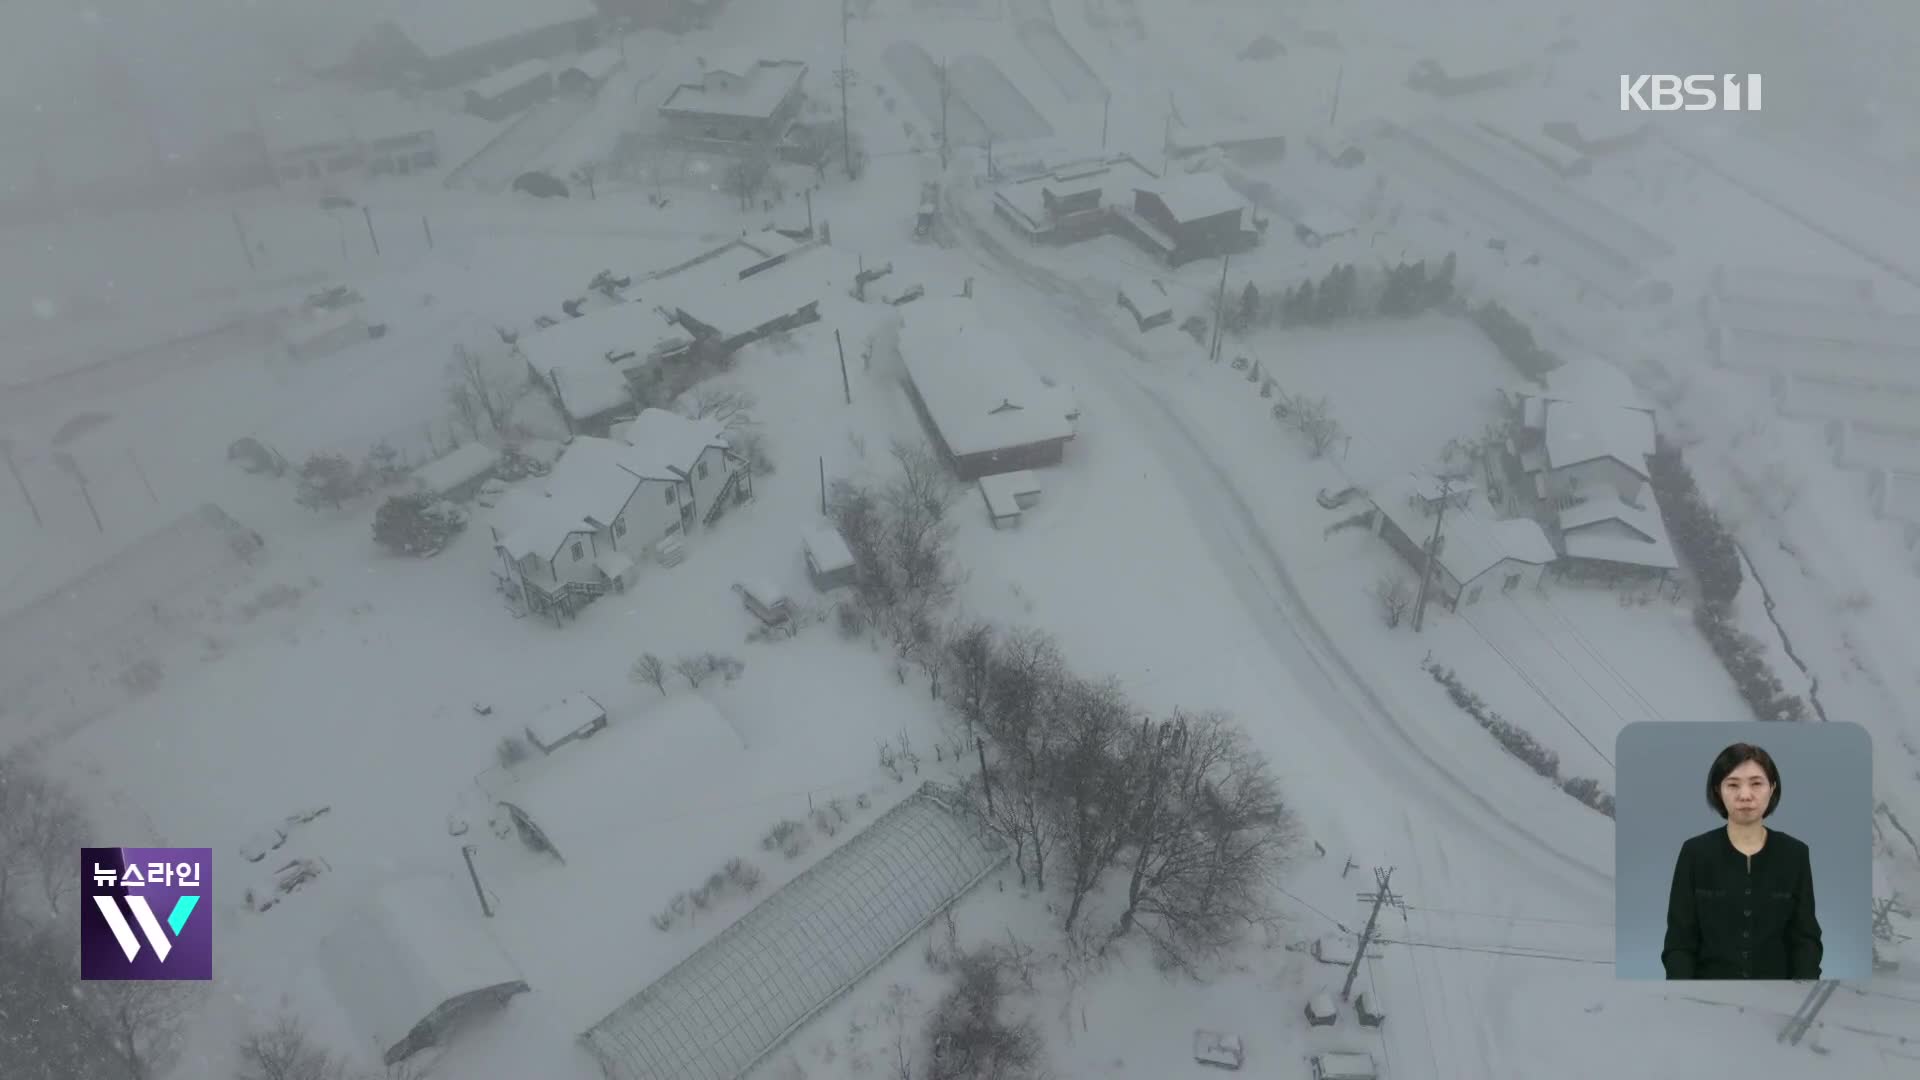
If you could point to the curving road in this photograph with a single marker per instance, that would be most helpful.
(1270, 596)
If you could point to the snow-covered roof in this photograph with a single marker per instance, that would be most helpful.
(1322, 220)
(723, 1009)
(582, 350)
(1610, 530)
(666, 445)
(570, 714)
(973, 380)
(441, 28)
(1343, 1065)
(1001, 501)
(1767, 285)
(714, 293)
(598, 63)
(1470, 544)
(1640, 519)
(1811, 322)
(500, 82)
(1865, 448)
(463, 466)
(827, 548)
(1577, 432)
(585, 800)
(1198, 195)
(1594, 382)
(588, 485)
(765, 591)
(737, 86)
(1828, 361)
(411, 946)
(1884, 407)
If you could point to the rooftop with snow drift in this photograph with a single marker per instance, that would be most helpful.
(1470, 544)
(727, 1006)
(590, 352)
(512, 78)
(975, 384)
(1609, 530)
(411, 947)
(1197, 195)
(737, 85)
(462, 466)
(594, 479)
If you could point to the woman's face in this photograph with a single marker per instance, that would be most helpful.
(1745, 793)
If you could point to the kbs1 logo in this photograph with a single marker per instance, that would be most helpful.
(1690, 93)
(145, 914)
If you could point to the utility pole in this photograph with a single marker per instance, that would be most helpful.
(945, 92)
(6, 451)
(140, 469)
(845, 386)
(845, 76)
(66, 461)
(1219, 310)
(245, 248)
(809, 211)
(1802, 1019)
(1433, 552)
(466, 852)
(428, 229)
(1380, 897)
(1334, 111)
(823, 486)
(368, 211)
(1106, 102)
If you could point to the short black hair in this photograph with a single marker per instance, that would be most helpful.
(1732, 758)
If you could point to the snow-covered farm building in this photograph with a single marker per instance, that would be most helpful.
(1574, 450)
(610, 503)
(743, 291)
(985, 409)
(514, 90)
(459, 474)
(410, 965)
(584, 363)
(737, 99)
(1609, 536)
(1474, 550)
(734, 1001)
(1523, 202)
(589, 71)
(1841, 343)
(1179, 217)
(1794, 288)
(442, 43)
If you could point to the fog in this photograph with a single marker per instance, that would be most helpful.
(1030, 538)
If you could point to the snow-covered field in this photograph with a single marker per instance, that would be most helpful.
(1178, 548)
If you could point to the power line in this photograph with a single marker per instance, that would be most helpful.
(1497, 952)
(1539, 692)
(1509, 918)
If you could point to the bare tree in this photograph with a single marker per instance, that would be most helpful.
(917, 503)
(491, 390)
(1028, 677)
(138, 1024)
(1208, 840)
(284, 1052)
(732, 406)
(692, 668)
(745, 178)
(970, 1037)
(1394, 595)
(43, 1030)
(41, 826)
(1089, 787)
(650, 671)
(1313, 419)
(972, 650)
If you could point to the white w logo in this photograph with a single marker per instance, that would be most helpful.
(149, 925)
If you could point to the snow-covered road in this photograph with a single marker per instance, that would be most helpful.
(1451, 841)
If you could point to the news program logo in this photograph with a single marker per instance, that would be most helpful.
(145, 914)
(1689, 93)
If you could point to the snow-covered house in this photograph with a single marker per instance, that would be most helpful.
(410, 965)
(459, 474)
(740, 293)
(441, 43)
(984, 408)
(585, 363)
(829, 562)
(1187, 216)
(1074, 201)
(1474, 550)
(1577, 449)
(504, 93)
(1606, 532)
(609, 503)
(738, 98)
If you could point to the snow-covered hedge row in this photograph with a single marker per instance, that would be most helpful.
(1708, 548)
(1514, 340)
(1518, 742)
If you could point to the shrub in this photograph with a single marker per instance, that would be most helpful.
(850, 620)
(1514, 340)
(418, 525)
(789, 837)
(512, 751)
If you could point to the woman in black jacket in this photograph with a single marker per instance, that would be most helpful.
(1742, 900)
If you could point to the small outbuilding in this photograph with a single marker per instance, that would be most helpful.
(457, 475)
(570, 719)
(514, 90)
(1008, 495)
(1321, 1011)
(1219, 1049)
(767, 601)
(1369, 1014)
(829, 562)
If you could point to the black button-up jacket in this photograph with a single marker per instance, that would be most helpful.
(1734, 917)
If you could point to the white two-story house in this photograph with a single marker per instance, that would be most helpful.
(611, 504)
